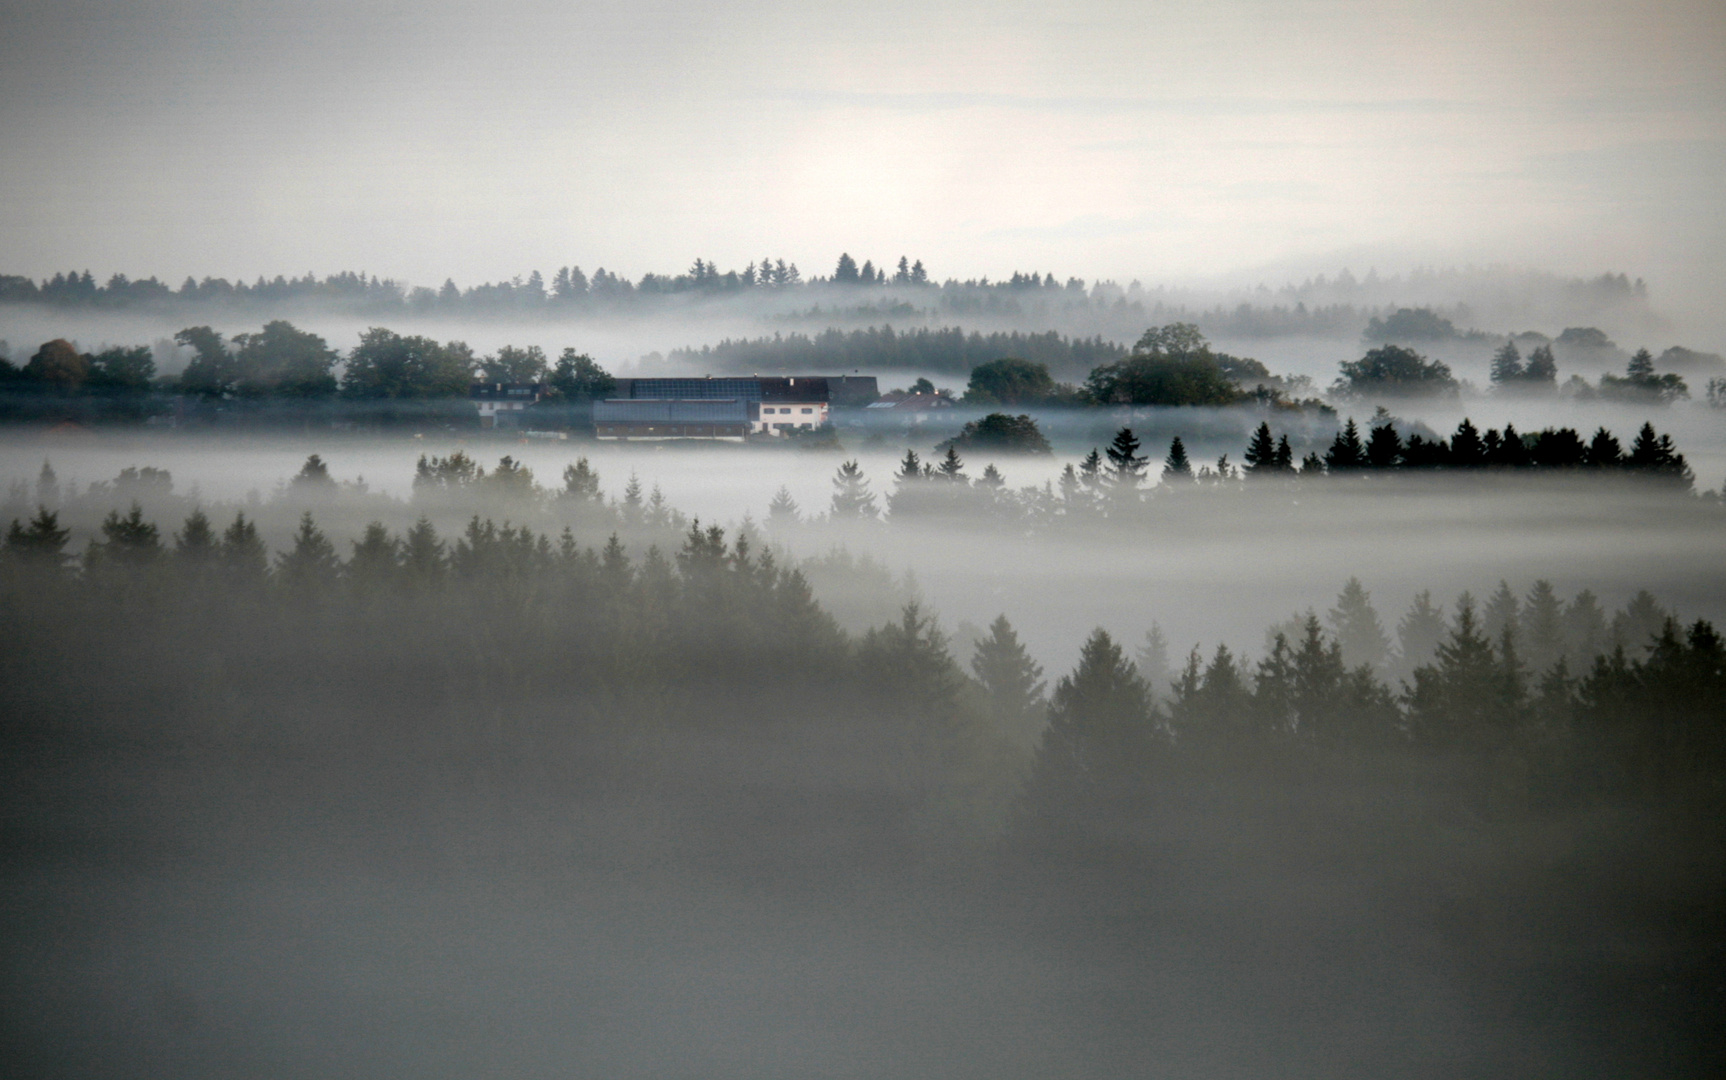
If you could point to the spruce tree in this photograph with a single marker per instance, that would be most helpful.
(1012, 682)
(1261, 456)
(1176, 467)
(245, 562)
(852, 500)
(312, 565)
(1418, 634)
(1356, 625)
(1542, 626)
(40, 544)
(1383, 447)
(783, 509)
(196, 544)
(1507, 365)
(1089, 765)
(1346, 452)
(1126, 465)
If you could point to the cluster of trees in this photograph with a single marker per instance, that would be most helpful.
(1526, 680)
(1115, 479)
(949, 350)
(284, 365)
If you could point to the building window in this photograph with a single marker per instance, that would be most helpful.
(806, 412)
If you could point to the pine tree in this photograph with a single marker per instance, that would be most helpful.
(783, 509)
(1261, 454)
(312, 565)
(1542, 626)
(1012, 682)
(1585, 633)
(376, 559)
(1098, 739)
(852, 500)
(127, 541)
(1176, 467)
(1346, 451)
(1502, 613)
(1466, 449)
(1284, 456)
(422, 555)
(1418, 634)
(1383, 447)
(910, 469)
(1457, 700)
(1542, 369)
(40, 544)
(952, 468)
(196, 544)
(1356, 625)
(1507, 364)
(1091, 471)
(1126, 465)
(1153, 662)
(244, 559)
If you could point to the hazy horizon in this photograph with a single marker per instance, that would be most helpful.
(1193, 144)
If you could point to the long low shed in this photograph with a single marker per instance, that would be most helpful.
(640, 418)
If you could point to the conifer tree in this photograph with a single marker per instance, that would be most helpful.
(1091, 471)
(1346, 452)
(952, 468)
(422, 554)
(1418, 634)
(1502, 613)
(196, 544)
(1176, 467)
(783, 509)
(40, 544)
(1542, 626)
(1098, 739)
(1126, 465)
(312, 565)
(1012, 682)
(127, 541)
(376, 559)
(1284, 456)
(244, 559)
(1261, 456)
(1507, 364)
(852, 500)
(1356, 625)
(1585, 634)
(1152, 658)
(1383, 447)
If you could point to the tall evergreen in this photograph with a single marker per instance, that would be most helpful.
(1359, 633)
(1261, 456)
(1088, 767)
(852, 500)
(1346, 452)
(1012, 681)
(1176, 467)
(1126, 464)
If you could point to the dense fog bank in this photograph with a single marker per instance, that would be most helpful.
(498, 800)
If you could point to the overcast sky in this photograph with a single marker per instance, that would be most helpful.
(1100, 139)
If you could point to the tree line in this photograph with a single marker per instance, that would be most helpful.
(1531, 686)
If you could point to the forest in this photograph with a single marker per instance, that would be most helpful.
(1501, 818)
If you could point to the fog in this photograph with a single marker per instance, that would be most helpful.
(340, 736)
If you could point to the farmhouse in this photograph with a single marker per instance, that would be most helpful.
(501, 404)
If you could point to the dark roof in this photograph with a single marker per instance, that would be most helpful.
(500, 391)
(840, 390)
(795, 388)
(685, 389)
(668, 411)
